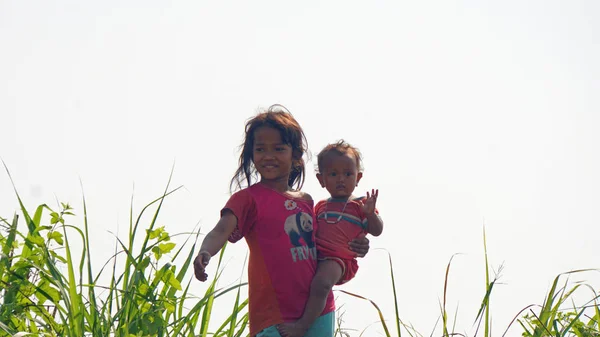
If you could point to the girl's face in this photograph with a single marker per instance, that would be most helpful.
(340, 175)
(271, 157)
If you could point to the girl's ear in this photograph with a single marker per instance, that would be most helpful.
(296, 155)
(296, 164)
(358, 177)
(296, 159)
(320, 178)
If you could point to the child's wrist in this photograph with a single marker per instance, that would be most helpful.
(205, 252)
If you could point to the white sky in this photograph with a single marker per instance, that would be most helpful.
(465, 112)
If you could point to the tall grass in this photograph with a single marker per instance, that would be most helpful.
(551, 319)
(47, 289)
(555, 318)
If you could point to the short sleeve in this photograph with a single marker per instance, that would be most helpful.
(319, 207)
(243, 206)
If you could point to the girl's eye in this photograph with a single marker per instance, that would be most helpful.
(258, 149)
(279, 149)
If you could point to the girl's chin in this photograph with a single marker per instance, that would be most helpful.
(271, 177)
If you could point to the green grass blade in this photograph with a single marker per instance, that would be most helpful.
(206, 313)
(7, 329)
(489, 286)
(231, 321)
(395, 295)
(236, 306)
(76, 320)
(444, 311)
(186, 264)
(93, 315)
(6, 261)
(515, 318)
(385, 328)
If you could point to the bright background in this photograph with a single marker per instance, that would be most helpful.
(467, 113)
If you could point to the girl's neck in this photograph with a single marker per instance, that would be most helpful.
(279, 185)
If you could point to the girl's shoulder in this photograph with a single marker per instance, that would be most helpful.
(301, 195)
(241, 197)
(242, 193)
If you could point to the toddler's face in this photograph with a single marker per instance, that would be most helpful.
(340, 175)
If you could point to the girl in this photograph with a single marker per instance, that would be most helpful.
(278, 224)
(340, 218)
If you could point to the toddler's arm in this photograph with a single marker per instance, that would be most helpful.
(374, 224)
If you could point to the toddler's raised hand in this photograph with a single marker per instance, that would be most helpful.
(200, 264)
(371, 201)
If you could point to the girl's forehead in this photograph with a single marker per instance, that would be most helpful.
(266, 134)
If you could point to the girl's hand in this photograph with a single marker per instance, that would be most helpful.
(360, 246)
(200, 264)
(369, 204)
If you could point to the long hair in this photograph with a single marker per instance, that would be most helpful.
(279, 118)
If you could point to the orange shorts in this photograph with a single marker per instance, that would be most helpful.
(349, 268)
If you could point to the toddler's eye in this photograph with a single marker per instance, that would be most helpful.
(348, 174)
(332, 174)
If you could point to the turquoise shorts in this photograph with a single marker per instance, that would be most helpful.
(322, 327)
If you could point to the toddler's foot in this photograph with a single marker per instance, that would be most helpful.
(291, 329)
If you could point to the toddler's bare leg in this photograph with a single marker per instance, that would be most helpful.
(328, 274)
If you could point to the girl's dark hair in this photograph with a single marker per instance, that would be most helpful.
(279, 118)
(341, 147)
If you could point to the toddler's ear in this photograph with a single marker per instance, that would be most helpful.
(320, 178)
(358, 177)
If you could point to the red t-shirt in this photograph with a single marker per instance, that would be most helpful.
(348, 222)
(280, 232)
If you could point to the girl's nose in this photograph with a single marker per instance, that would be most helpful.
(269, 155)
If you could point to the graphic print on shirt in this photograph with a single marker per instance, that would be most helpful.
(299, 227)
(290, 205)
